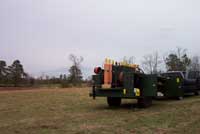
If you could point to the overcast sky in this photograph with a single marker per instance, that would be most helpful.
(42, 33)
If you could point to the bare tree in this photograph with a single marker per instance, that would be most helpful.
(129, 60)
(195, 63)
(75, 76)
(180, 52)
(151, 63)
(75, 60)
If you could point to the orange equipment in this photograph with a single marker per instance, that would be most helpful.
(107, 74)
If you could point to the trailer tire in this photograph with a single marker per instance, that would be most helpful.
(113, 102)
(144, 102)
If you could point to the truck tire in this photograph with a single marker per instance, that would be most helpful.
(179, 98)
(197, 92)
(113, 102)
(144, 102)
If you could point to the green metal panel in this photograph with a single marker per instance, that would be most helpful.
(98, 80)
(148, 85)
(116, 72)
(109, 92)
(113, 92)
(172, 87)
(129, 83)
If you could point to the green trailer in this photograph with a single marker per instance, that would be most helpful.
(176, 84)
(170, 87)
(127, 81)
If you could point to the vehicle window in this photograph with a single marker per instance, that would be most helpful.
(193, 75)
(184, 73)
(172, 75)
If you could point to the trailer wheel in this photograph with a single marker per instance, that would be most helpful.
(144, 102)
(113, 102)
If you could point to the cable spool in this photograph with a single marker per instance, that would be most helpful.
(97, 70)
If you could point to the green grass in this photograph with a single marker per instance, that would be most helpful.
(61, 111)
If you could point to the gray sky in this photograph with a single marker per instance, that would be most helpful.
(42, 33)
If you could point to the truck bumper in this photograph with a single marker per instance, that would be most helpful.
(112, 92)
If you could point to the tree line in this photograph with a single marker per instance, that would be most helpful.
(14, 75)
(178, 60)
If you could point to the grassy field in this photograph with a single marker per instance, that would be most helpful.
(71, 111)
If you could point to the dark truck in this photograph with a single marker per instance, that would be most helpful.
(181, 83)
